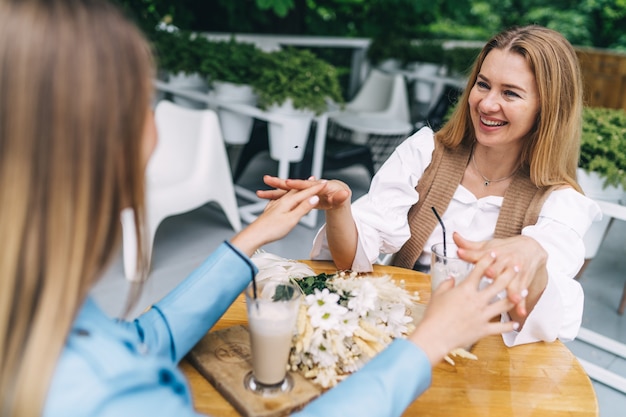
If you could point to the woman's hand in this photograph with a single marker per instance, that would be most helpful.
(336, 194)
(522, 255)
(278, 218)
(335, 199)
(460, 315)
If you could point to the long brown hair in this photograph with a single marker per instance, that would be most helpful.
(75, 85)
(551, 150)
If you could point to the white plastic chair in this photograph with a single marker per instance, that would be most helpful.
(378, 116)
(382, 95)
(188, 169)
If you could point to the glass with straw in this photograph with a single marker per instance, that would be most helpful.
(272, 308)
(445, 262)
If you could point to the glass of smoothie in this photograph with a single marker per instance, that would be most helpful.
(271, 320)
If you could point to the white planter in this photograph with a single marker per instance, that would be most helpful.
(236, 127)
(193, 82)
(288, 140)
(591, 184)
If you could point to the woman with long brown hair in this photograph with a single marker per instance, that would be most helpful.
(502, 175)
(76, 132)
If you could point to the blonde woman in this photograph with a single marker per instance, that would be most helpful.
(75, 136)
(502, 175)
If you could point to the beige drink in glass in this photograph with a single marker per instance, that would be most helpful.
(447, 265)
(271, 320)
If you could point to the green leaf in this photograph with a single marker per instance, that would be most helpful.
(279, 7)
(283, 293)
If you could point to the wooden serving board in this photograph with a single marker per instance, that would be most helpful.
(223, 357)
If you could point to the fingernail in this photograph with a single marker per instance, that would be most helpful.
(314, 200)
(516, 269)
(524, 293)
(515, 326)
(323, 181)
(311, 178)
(493, 254)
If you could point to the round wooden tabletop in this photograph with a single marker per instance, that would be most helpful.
(538, 379)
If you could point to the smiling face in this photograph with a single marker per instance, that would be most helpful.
(504, 101)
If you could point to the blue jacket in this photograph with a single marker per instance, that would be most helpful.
(115, 368)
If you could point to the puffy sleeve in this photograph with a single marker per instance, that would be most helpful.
(381, 214)
(565, 217)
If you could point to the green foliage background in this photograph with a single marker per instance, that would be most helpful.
(597, 23)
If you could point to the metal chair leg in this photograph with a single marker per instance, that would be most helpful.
(622, 304)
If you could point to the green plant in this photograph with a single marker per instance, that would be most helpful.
(299, 75)
(178, 51)
(603, 144)
(231, 61)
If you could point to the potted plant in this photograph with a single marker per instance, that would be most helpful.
(299, 77)
(602, 164)
(178, 53)
(230, 68)
(603, 146)
(295, 82)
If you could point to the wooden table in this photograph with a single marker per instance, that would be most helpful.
(539, 379)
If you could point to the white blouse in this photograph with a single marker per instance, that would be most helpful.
(381, 221)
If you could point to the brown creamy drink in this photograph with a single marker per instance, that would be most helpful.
(271, 324)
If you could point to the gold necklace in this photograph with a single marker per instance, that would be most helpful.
(487, 181)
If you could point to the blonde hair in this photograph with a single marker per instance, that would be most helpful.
(75, 85)
(551, 150)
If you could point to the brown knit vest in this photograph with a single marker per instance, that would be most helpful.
(520, 207)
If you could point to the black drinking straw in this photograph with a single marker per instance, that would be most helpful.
(443, 228)
(254, 286)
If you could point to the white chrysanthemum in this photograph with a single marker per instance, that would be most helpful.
(397, 320)
(363, 299)
(324, 311)
(349, 323)
(322, 349)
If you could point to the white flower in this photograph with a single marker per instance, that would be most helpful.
(324, 310)
(322, 350)
(364, 299)
(397, 320)
(347, 323)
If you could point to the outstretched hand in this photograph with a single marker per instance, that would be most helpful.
(335, 200)
(461, 315)
(334, 195)
(278, 218)
(521, 254)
